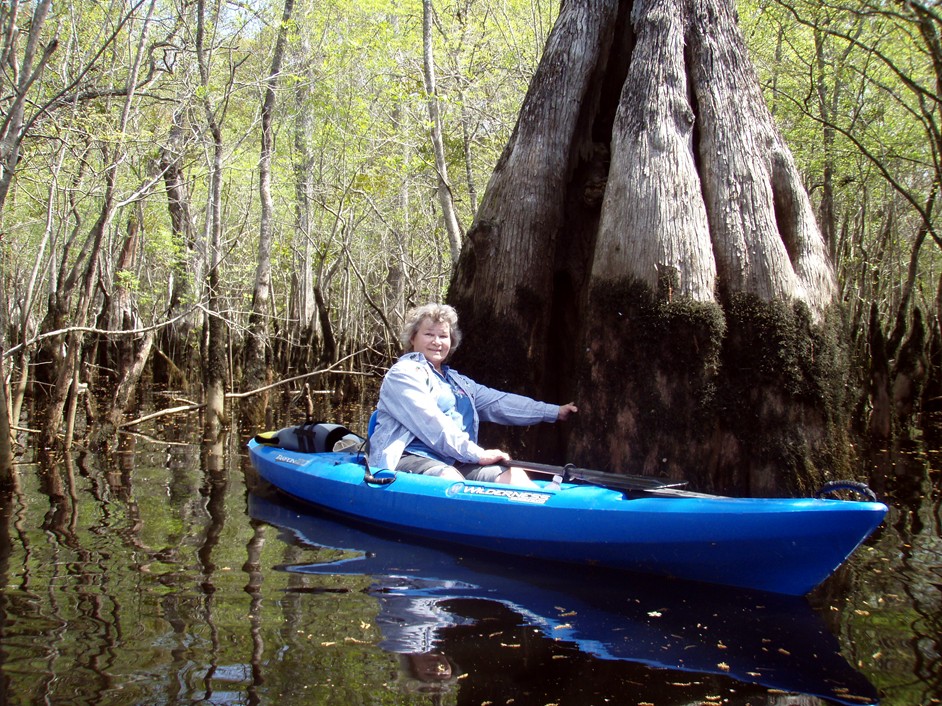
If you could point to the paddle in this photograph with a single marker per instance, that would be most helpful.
(615, 481)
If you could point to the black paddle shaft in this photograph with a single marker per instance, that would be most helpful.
(616, 481)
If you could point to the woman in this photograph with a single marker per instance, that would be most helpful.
(428, 415)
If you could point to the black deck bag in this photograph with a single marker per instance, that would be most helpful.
(311, 437)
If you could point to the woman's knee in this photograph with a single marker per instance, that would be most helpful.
(516, 476)
(449, 473)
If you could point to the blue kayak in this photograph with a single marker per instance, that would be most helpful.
(779, 545)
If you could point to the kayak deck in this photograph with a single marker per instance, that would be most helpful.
(781, 545)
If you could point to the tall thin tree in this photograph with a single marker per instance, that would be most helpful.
(445, 196)
(216, 362)
(256, 371)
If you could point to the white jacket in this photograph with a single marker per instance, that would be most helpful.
(408, 410)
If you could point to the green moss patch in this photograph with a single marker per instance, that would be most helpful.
(750, 398)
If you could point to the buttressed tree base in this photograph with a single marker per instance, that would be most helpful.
(646, 248)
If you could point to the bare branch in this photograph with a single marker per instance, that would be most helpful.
(101, 332)
(240, 395)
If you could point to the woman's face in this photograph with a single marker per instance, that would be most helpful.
(433, 340)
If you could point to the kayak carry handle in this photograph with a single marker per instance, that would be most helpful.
(836, 487)
(373, 480)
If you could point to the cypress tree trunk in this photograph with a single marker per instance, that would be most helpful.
(7, 477)
(646, 247)
(303, 338)
(214, 342)
(256, 368)
(174, 340)
(124, 355)
(525, 257)
(215, 335)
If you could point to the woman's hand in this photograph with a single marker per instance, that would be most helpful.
(491, 457)
(565, 410)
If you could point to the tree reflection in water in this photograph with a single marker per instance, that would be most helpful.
(145, 577)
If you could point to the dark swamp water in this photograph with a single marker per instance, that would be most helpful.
(168, 575)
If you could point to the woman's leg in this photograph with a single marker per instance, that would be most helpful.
(516, 476)
(497, 474)
(412, 463)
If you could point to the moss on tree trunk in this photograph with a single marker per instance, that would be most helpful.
(747, 397)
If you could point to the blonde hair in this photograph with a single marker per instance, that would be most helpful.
(436, 313)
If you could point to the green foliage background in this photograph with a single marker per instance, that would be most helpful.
(852, 86)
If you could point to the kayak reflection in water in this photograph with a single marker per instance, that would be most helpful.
(428, 414)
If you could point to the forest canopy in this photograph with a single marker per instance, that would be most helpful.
(134, 175)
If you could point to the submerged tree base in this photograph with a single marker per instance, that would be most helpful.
(747, 398)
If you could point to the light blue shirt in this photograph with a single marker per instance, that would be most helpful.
(456, 405)
(409, 409)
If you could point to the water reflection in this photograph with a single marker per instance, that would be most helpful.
(140, 577)
(893, 619)
(431, 608)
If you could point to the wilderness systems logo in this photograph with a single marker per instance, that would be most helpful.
(293, 460)
(517, 496)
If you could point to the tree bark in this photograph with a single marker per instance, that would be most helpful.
(214, 340)
(22, 361)
(126, 355)
(13, 126)
(445, 198)
(68, 375)
(880, 420)
(526, 255)
(646, 246)
(305, 339)
(909, 374)
(68, 359)
(653, 186)
(174, 341)
(7, 473)
(256, 371)
(125, 387)
(13, 130)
